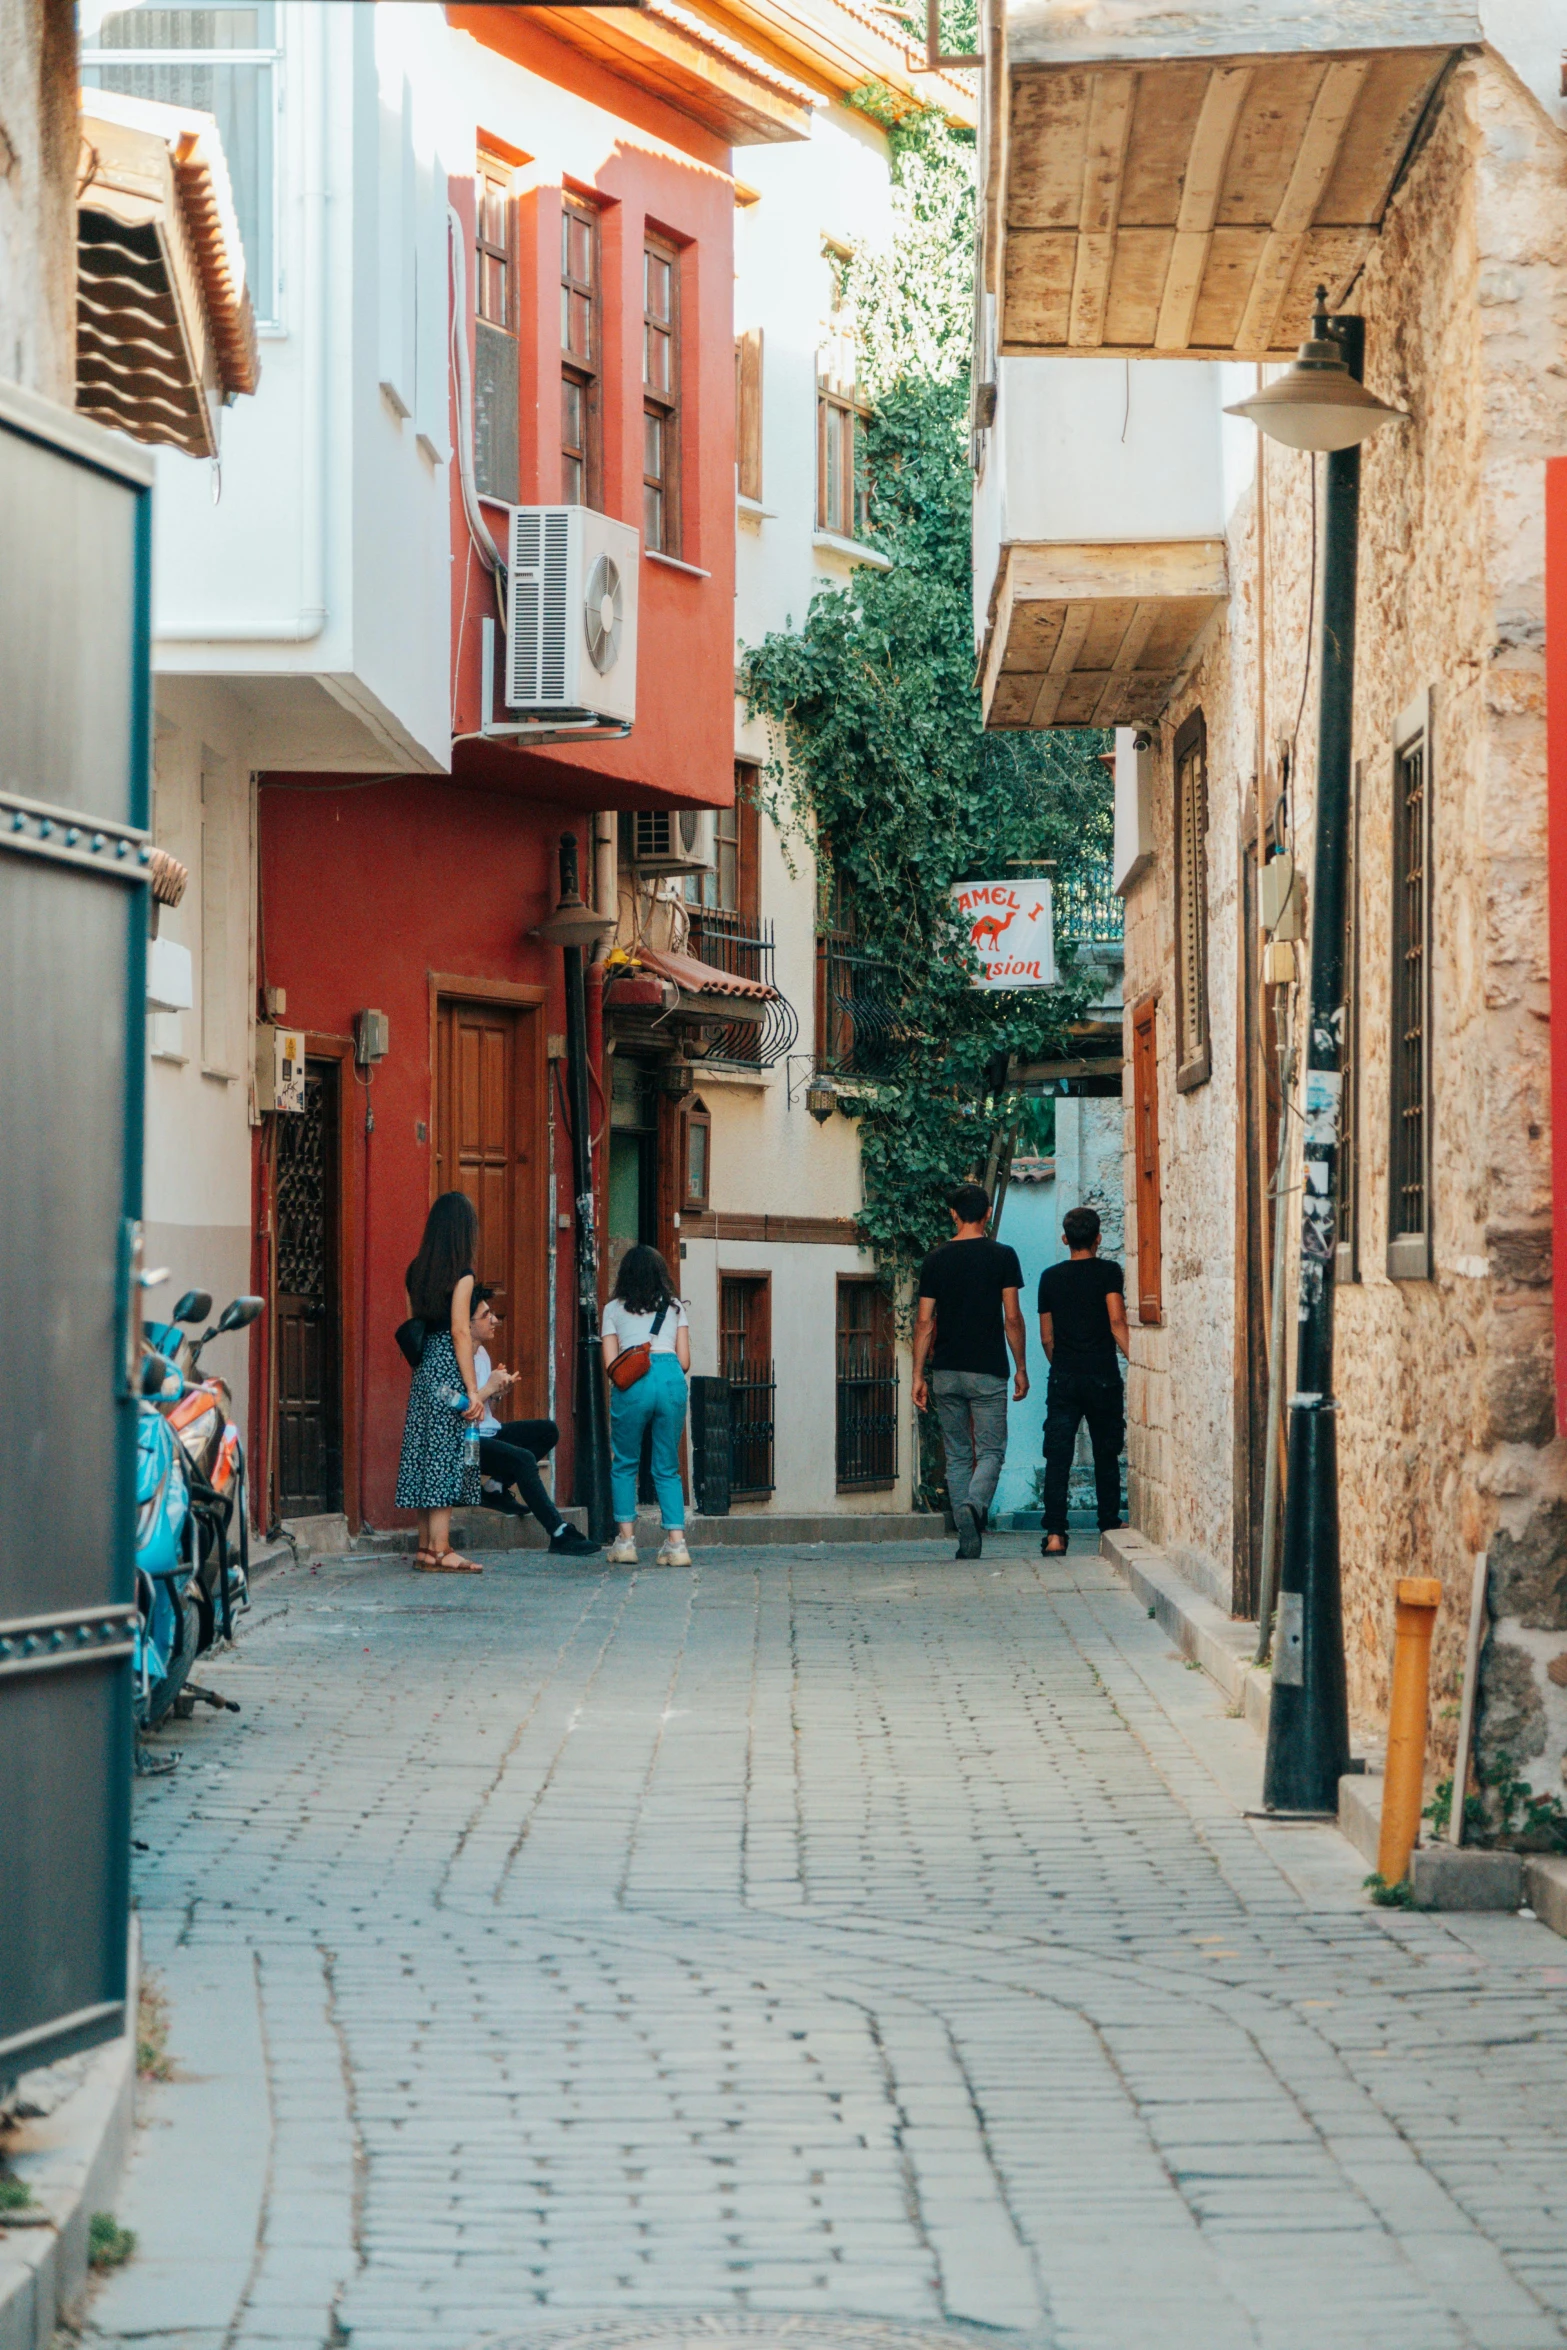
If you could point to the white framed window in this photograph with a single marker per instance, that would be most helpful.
(226, 60)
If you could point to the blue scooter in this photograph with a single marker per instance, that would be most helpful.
(168, 1622)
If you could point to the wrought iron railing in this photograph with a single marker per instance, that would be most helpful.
(751, 1392)
(867, 1414)
(1087, 909)
(745, 949)
(863, 1032)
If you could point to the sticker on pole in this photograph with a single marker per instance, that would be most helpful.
(1289, 1642)
(1010, 930)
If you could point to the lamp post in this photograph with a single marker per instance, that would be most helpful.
(1320, 404)
(575, 929)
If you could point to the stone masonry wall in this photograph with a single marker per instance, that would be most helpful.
(1446, 1445)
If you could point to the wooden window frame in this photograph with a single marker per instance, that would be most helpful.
(494, 171)
(663, 404)
(585, 373)
(1410, 996)
(1346, 1262)
(693, 1202)
(748, 414)
(1145, 1160)
(884, 1332)
(1193, 1033)
(852, 520)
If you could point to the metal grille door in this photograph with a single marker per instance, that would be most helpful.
(75, 524)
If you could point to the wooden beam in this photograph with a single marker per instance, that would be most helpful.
(1155, 569)
(1128, 653)
(1109, 124)
(1074, 631)
(1201, 187)
(1319, 148)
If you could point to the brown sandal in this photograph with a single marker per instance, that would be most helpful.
(425, 1562)
(1048, 1549)
(452, 1562)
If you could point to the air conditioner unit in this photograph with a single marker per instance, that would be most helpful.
(572, 647)
(672, 840)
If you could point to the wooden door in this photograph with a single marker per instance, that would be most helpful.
(309, 1379)
(489, 1142)
(1145, 1133)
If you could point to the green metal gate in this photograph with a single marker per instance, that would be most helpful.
(75, 728)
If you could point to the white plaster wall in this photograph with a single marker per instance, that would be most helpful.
(196, 1195)
(804, 1302)
(321, 574)
(769, 1157)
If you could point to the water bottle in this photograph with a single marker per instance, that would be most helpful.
(470, 1435)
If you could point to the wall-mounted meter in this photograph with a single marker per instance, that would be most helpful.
(280, 1068)
(372, 1038)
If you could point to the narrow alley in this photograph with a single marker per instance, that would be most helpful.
(848, 1933)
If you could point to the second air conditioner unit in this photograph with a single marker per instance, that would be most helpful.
(671, 840)
(571, 650)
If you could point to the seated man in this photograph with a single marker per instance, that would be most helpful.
(510, 1450)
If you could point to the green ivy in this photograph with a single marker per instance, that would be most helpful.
(881, 758)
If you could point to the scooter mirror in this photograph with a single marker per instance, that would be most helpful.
(240, 1314)
(194, 1306)
(155, 1368)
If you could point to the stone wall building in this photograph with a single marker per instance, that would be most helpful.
(1444, 1365)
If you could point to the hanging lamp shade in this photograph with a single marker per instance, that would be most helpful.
(1316, 403)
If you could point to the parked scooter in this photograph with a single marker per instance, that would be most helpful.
(214, 1458)
(168, 1621)
(190, 1479)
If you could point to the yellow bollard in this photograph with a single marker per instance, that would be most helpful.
(1419, 1597)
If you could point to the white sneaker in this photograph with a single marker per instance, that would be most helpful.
(622, 1552)
(674, 1552)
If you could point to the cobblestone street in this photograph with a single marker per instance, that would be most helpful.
(847, 1932)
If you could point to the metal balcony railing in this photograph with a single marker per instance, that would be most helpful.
(744, 948)
(862, 1031)
(1087, 909)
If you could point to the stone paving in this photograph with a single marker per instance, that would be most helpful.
(844, 1932)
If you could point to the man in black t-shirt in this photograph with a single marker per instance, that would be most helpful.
(1082, 1321)
(969, 1315)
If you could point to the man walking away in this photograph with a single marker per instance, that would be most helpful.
(1082, 1321)
(969, 1307)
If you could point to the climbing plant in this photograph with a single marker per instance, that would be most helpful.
(880, 756)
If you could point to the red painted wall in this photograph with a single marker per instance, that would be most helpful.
(363, 894)
(677, 184)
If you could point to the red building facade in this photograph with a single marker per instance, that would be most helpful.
(597, 234)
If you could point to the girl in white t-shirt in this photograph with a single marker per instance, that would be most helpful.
(645, 1310)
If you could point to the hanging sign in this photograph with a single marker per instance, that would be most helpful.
(1010, 929)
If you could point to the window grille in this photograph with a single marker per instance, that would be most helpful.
(745, 1360)
(1193, 1050)
(1409, 1057)
(1347, 1267)
(867, 1386)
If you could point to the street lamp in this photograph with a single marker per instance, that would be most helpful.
(1320, 403)
(576, 928)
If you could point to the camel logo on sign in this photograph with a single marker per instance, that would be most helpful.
(1010, 930)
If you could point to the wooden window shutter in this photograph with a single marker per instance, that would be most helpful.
(1193, 1047)
(1145, 1141)
(1409, 1060)
(748, 413)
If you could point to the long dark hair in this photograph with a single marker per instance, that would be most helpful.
(446, 1253)
(643, 1283)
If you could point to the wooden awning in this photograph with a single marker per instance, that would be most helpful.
(1176, 187)
(164, 329)
(678, 56)
(1096, 635)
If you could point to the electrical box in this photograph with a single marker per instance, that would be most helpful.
(280, 1068)
(1279, 896)
(372, 1038)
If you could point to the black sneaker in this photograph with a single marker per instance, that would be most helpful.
(566, 1542)
(970, 1543)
